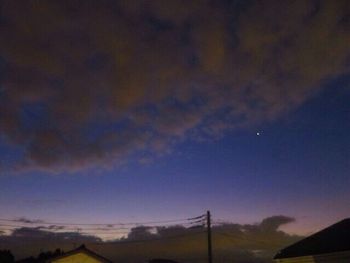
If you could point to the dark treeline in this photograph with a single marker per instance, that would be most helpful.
(6, 256)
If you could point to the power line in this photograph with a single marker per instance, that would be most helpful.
(72, 230)
(86, 231)
(102, 224)
(53, 227)
(108, 228)
(224, 222)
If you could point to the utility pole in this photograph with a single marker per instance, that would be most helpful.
(210, 255)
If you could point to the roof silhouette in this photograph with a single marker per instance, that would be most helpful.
(82, 249)
(334, 238)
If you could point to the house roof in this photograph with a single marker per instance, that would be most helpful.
(334, 238)
(81, 249)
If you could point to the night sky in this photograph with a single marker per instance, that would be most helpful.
(136, 110)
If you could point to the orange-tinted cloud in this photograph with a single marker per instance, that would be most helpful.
(92, 82)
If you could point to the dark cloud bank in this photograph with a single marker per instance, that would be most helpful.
(92, 82)
(232, 242)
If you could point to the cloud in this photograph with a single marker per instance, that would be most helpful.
(233, 242)
(35, 233)
(140, 233)
(92, 83)
(28, 221)
(52, 227)
(274, 222)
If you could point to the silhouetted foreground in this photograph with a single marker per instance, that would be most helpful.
(6, 256)
(80, 254)
(331, 244)
(43, 257)
(158, 260)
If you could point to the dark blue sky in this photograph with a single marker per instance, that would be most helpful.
(297, 166)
